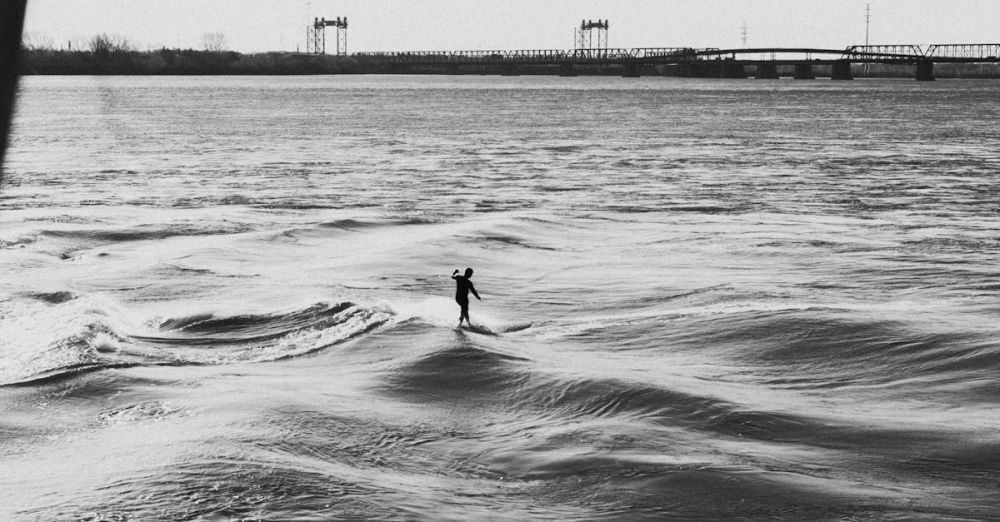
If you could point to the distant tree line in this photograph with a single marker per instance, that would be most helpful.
(115, 54)
(179, 62)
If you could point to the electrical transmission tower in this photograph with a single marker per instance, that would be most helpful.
(585, 36)
(316, 35)
(868, 23)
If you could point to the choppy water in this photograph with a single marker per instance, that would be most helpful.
(229, 298)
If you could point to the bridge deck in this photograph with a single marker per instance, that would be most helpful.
(892, 54)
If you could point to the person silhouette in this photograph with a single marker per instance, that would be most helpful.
(462, 288)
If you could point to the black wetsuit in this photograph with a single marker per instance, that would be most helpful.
(462, 288)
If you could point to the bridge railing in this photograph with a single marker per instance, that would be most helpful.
(518, 55)
(535, 55)
(964, 51)
(855, 53)
(902, 50)
(665, 52)
(957, 52)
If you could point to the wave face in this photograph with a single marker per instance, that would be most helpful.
(96, 336)
(700, 300)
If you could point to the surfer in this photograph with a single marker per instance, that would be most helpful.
(462, 288)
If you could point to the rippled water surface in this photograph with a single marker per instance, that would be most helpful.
(230, 298)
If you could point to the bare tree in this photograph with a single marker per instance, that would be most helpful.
(214, 42)
(36, 40)
(107, 44)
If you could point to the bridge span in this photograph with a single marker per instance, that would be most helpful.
(686, 61)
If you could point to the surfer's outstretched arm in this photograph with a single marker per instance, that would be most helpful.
(473, 289)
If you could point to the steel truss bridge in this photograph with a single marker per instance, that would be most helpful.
(965, 53)
(634, 59)
(890, 54)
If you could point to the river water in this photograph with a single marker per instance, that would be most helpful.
(230, 298)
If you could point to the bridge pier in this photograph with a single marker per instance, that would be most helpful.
(767, 71)
(733, 70)
(509, 69)
(925, 71)
(632, 69)
(804, 71)
(841, 70)
(710, 69)
(567, 69)
(686, 69)
(721, 69)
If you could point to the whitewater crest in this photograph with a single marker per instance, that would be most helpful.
(95, 333)
(48, 335)
(240, 338)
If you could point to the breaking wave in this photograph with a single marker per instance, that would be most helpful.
(98, 335)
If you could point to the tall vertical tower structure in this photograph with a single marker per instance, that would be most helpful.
(868, 23)
(590, 33)
(316, 35)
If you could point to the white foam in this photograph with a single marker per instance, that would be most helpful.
(40, 337)
(309, 340)
(444, 312)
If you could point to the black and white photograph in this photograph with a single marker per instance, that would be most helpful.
(499, 260)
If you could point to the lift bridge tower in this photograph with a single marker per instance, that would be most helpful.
(585, 36)
(316, 35)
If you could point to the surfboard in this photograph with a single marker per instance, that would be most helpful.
(485, 330)
(479, 329)
(517, 327)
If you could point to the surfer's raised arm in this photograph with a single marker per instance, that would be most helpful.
(454, 275)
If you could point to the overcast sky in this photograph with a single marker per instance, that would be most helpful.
(379, 25)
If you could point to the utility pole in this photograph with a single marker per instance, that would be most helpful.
(744, 34)
(868, 22)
